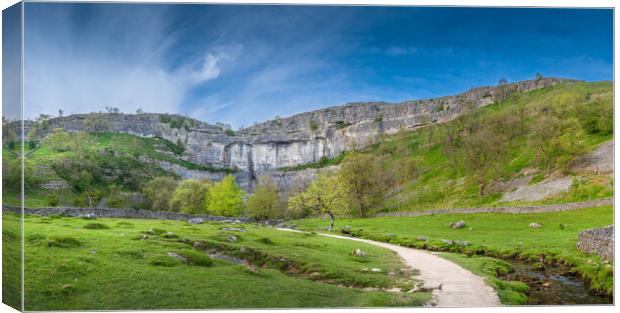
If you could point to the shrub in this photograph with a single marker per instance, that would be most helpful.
(124, 225)
(230, 132)
(314, 125)
(53, 200)
(63, 242)
(265, 240)
(95, 226)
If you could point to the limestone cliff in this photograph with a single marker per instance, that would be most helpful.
(299, 139)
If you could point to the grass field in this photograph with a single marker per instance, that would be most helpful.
(497, 235)
(74, 264)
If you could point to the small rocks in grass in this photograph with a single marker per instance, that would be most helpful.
(458, 225)
(446, 241)
(144, 237)
(233, 238)
(169, 235)
(196, 220)
(421, 238)
(177, 256)
(234, 229)
(535, 225)
(346, 230)
(89, 216)
(462, 243)
(358, 253)
(375, 270)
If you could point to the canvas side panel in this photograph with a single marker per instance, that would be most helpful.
(12, 151)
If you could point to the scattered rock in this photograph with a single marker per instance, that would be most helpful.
(89, 216)
(196, 220)
(376, 270)
(233, 238)
(234, 229)
(458, 225)
(169, 235)
(144, 237)
(421, 238)
(280, 225)
(446, 241)
(462, 243)
(177, 256)
(358, 252)
(346, 230)
(535, 225)
(243, 249)
(66, 286)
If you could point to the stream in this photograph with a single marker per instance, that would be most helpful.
(553, 285)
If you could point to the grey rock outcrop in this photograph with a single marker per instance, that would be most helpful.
(299, 139)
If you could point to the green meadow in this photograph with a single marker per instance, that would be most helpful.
(503, 236)
(104, 264)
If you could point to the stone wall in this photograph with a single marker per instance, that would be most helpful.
(599, 241)
(128, 213)
(510, 210)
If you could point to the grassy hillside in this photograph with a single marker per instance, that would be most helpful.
(77, 264)
(106, 160)
(535, 135)
(498, 235)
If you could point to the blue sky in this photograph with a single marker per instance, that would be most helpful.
(246, 64)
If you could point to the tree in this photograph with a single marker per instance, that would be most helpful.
(484, 151)
(60, 112)
(226, 198)
(363, 174)
(327, 194)
(502, 81)
(97, 122)
(265, 202)
(191, 196)
(158, 193)
(539, 76)
(139, 111)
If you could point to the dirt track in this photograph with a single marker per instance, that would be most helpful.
(453, 285)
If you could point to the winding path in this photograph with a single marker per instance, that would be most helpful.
(453, 286)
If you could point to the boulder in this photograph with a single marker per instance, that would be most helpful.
(421, 238)
(233, 238)
(446, 241)
(196, 220)
(346, 230)
(535, 225)
(358, 252)
(458, 225)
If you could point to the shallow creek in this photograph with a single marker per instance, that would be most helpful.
(553, 285)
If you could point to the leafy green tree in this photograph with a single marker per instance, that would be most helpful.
(327, 194)
(265, 202)
(226, 198)
(12, 175)
(364, 175)
(158, 193)
(191, 196)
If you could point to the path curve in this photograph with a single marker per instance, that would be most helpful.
(459, 287)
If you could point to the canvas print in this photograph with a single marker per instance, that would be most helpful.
(227, 156)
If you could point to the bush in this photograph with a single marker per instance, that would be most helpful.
(265, 202)
(63, 242)
(53, 200)
(95, 226)
(265, 240)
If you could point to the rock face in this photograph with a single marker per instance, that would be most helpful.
(300, 139)
(599, 241)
